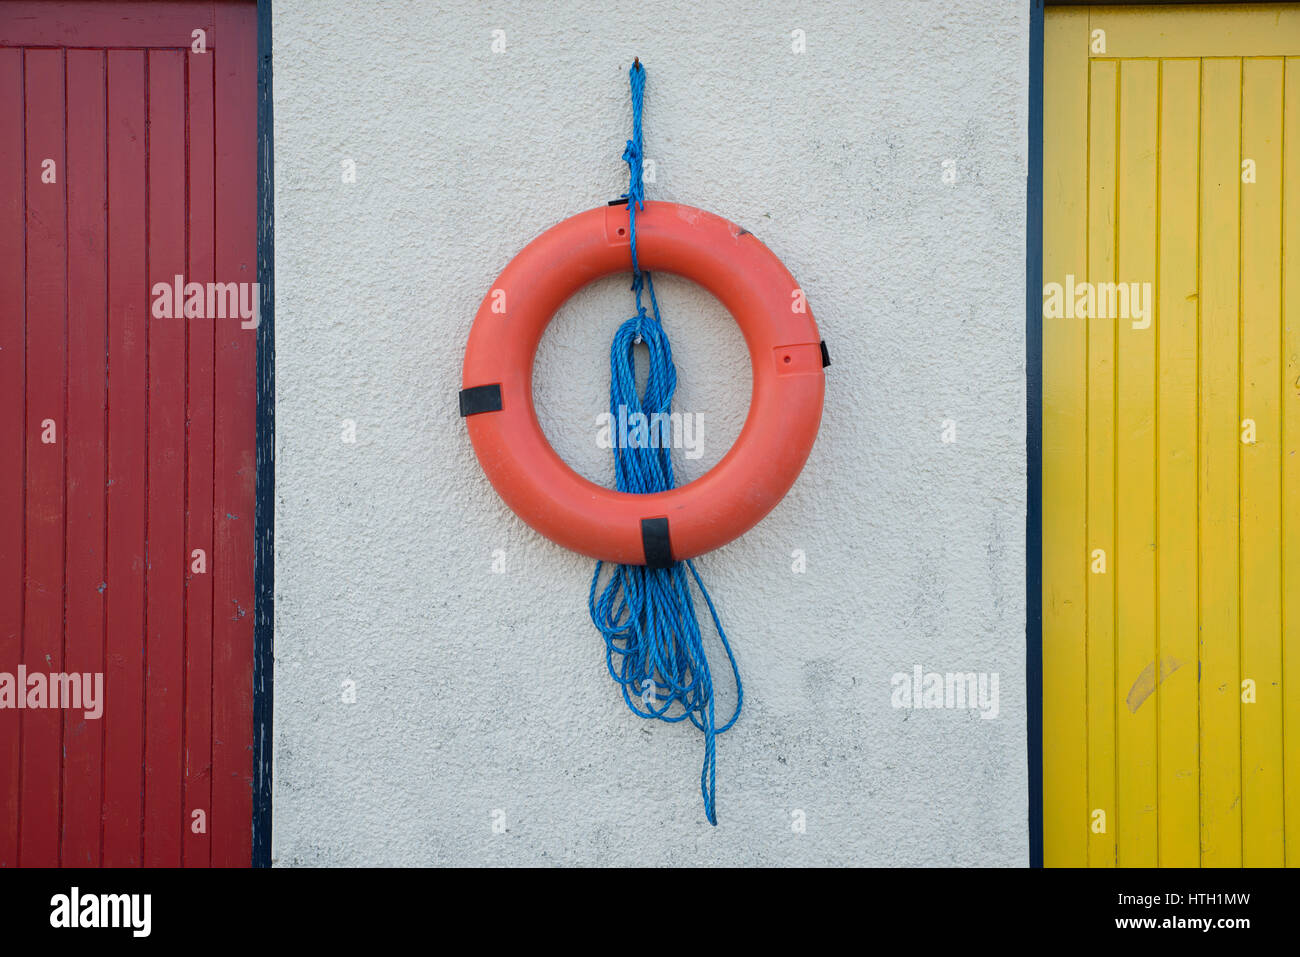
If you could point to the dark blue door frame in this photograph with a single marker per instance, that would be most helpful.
(264, 519)
(1034, 437)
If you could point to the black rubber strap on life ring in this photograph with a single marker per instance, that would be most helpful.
(826, 356)
(480, 398)
(654, 539)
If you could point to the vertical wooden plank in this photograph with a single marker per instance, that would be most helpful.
(167, 559)
(1102, 560)
(87, 447)
(198, 518)
(1261, 555)
(1065, 376)
(1220, 445)
(1176, 295)
(1290, 414)
(235, 430)
(128, 311)
(1137, 668)
(46, 448)
(13, 383)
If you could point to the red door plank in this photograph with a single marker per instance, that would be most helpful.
(13, 384)
(128, 310)
(87, 447)
(198, 518)
(46, 172)
(165, 547)
(95, 23)
(235, 427)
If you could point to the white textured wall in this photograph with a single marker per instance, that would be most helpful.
(479, 691)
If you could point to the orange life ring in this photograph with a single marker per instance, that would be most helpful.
(786, 356)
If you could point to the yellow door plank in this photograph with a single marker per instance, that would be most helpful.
(1261, 582)
(1102, 122)
(1218, 30)
(1137, 670)
(1220, 710)
(1176, 475)
(1065, 191)
(1290, 454)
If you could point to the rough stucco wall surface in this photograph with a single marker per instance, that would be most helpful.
(483, 697)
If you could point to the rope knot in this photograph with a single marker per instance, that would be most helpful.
(635, 168)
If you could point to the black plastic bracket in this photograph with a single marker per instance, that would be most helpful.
(480, 398)
(654, 539)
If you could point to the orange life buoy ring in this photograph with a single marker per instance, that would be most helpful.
(786, 356)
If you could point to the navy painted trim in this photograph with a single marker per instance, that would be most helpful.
(1034, 436)
(264, 546)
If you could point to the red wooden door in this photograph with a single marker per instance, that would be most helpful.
(127, 431)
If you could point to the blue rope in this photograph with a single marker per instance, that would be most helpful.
(653, 645)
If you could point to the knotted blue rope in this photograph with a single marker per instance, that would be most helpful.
(653, 645)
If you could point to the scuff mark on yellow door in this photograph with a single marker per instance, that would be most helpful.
(1147, 681)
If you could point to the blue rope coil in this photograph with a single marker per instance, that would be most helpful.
(654, 648)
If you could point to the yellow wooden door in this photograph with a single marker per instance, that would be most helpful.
(1171, 436)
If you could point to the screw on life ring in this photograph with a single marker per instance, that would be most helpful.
(786, 358)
